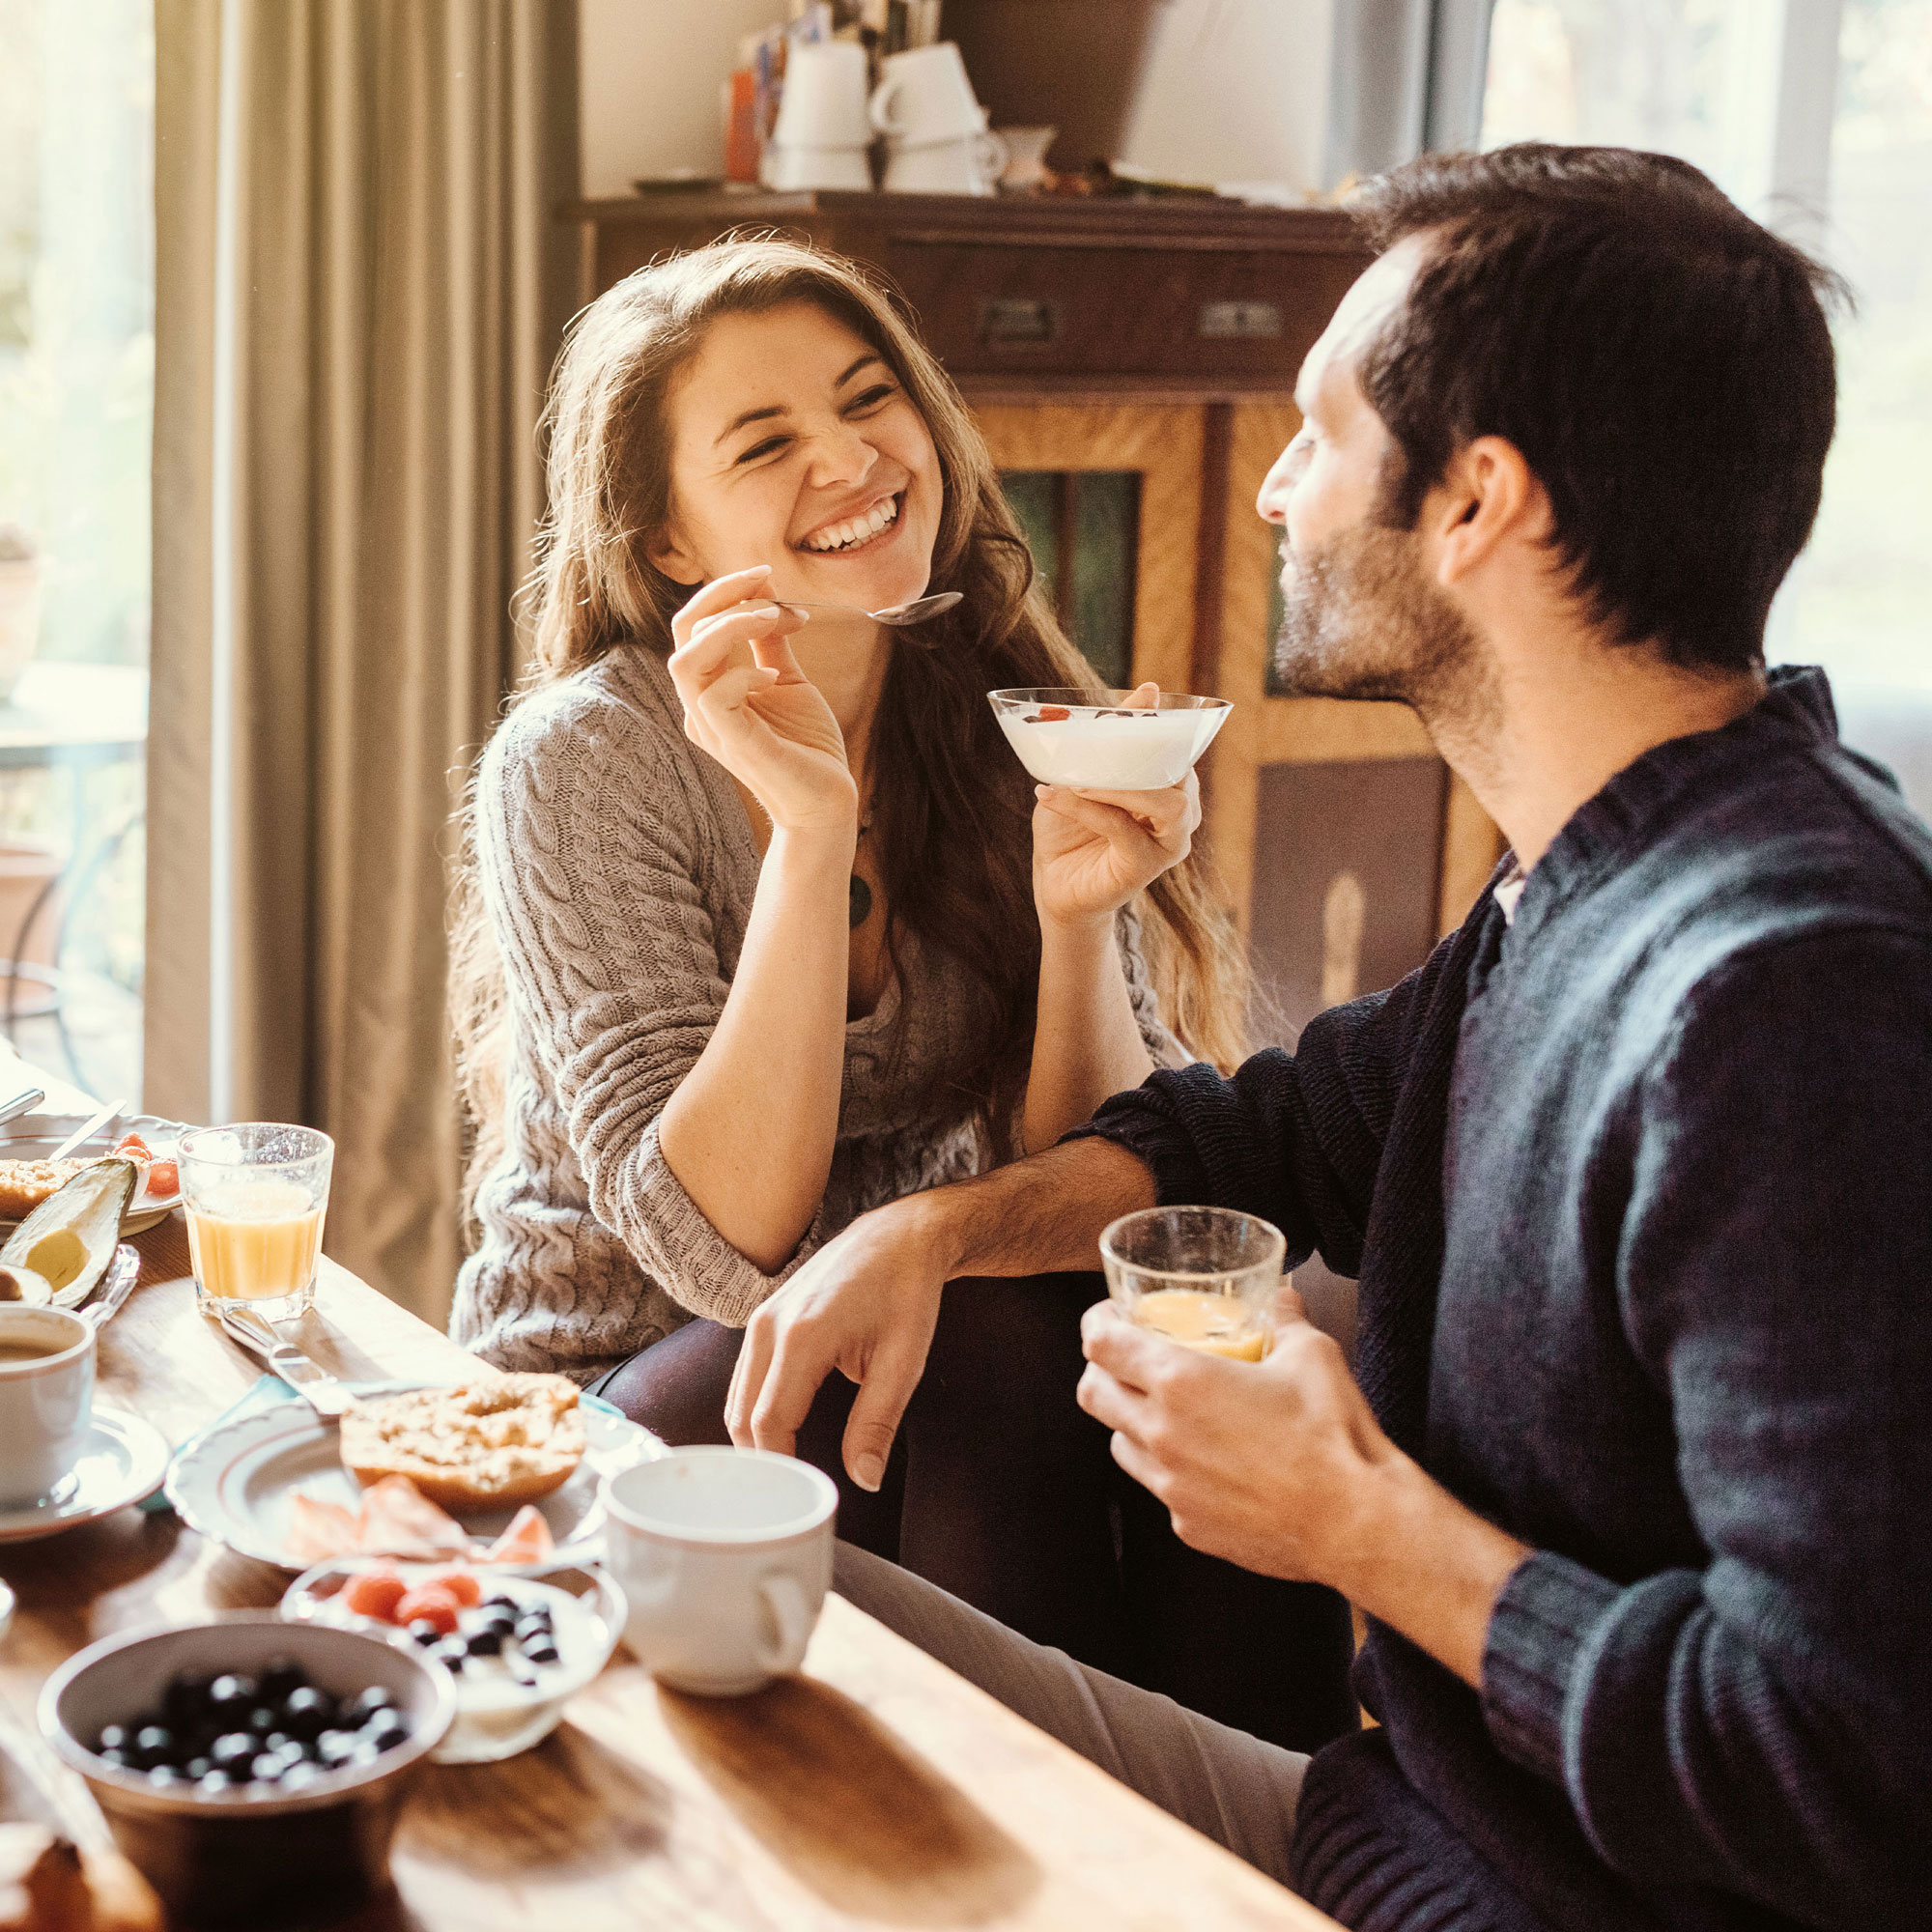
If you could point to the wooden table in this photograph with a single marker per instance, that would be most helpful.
(876, 1788)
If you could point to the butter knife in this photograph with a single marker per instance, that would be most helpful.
(326, 1394)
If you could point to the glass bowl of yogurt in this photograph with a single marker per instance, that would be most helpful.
(1099, 742)
(519, 1647)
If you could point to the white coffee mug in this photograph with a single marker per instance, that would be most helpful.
(823, 104)
(923, 96)
(790, 169)
(724, 1556)
(968, 166)
(46, 1401)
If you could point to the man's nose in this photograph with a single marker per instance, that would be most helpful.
(1272, 501)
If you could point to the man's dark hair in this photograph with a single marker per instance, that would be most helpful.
(1663, 362)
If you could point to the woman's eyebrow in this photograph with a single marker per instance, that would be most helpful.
(868, 356)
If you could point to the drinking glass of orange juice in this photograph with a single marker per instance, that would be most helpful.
(1204, 1277)
(255, 1195)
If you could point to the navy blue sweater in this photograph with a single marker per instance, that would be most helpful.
(1639, 1191)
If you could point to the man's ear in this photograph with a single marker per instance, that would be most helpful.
(1489, 497)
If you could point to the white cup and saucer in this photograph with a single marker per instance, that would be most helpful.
(63, 1459)
(822, 137)
(724, 1556)
(936, 136)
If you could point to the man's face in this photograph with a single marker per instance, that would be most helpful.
(1364, 617)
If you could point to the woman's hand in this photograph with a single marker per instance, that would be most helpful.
(746, 704)
(1094, 850)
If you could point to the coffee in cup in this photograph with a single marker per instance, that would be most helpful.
(724, 1556)
(47, 1403)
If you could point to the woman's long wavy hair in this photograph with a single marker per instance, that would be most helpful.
(954, 844)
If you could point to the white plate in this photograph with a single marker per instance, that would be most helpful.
(237, 1483)
(35, 1136)
(124, 1460)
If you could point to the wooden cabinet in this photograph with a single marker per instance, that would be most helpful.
(1131, 364)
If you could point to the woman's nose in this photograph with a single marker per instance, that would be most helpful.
(840, 455)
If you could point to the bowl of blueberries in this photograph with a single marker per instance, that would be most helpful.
(251, 1769)
(520, 1647)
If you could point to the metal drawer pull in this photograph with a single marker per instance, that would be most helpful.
(1017, 319)
(1247, 320)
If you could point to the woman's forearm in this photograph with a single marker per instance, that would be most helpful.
(751, 1129)
(1087, 1043)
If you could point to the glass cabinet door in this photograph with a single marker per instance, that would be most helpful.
(1083, 528)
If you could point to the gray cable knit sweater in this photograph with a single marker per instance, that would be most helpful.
(618, 870)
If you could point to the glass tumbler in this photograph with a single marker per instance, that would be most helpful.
(1204, 1277)
(255, 1194)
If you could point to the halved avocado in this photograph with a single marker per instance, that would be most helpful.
(69, 1239)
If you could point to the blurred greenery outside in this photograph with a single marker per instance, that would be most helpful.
(76, 405)
(1097, 605)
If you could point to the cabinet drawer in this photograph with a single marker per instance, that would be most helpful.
(1246, 315)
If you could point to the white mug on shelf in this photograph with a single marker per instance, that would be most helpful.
(967, 166)
(1026, 158)
(724, 1556)
(47, 1399)
(823, 103)
(787, 169)
(923, 96)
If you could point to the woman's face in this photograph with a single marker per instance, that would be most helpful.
(794, 445)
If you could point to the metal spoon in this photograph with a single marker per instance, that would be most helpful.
(894, 616)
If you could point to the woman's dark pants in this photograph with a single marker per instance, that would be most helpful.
(1002, 1490)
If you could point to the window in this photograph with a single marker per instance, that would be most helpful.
(1815, 116)
(76, 403)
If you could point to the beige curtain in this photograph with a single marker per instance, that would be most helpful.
(360, 283)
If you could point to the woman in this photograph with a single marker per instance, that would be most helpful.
(785, 931)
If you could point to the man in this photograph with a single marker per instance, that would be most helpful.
(1637, 1172)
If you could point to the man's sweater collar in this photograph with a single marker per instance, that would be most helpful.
(1622, 818)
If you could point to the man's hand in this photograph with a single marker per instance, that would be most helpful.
(1280, 1467)
(865, 1304)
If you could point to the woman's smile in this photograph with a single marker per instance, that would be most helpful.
(853, 532)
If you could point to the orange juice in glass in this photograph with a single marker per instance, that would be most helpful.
(255, 1194)
(1204, 1277)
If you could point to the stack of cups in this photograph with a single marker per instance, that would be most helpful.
(935, 130)
(821, 139)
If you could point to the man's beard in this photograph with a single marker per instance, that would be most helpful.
(1363, 621)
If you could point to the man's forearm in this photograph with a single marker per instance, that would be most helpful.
(1038, 1216)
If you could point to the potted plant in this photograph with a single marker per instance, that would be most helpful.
(19, 604)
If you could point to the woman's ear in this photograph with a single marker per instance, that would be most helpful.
(666, 553)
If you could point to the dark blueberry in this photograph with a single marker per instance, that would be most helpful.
(541, 1652)
(501, 1603)
(485, 1642)
(275, 1740)
(334, 1747)
(163, 1775)
(232, 1697)
(113, 1754)
(230, 1754)
(528, 1631)
(279, 1676)
(306, 1712)
(366, 1703)
(268, 1768)
(197, 1767)
(213, 1780)
(423, 1632)
(387, 1731)
(451, 1651)
(113, 1737)
(262, 1719)
(298, 1775)
(185, 1702)
(154, 1744)
(366, 1753)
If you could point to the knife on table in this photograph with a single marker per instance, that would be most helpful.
(326, 1394)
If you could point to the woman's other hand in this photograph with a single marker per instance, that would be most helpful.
(1094, 850)
(748, 705)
